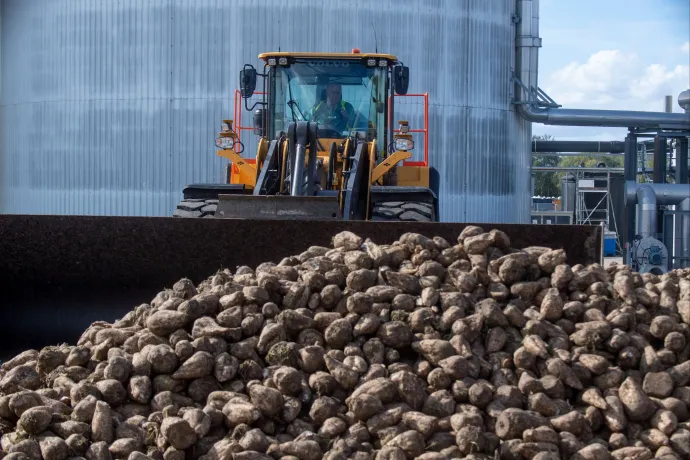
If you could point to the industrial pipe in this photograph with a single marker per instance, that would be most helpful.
(527, 63)
(647, 197)
(574, 154)
(666, 194)
(577, 169)
(659, 161)
(683, 232)
(613, 118)
(527, 43)
(578, 146)
(682, 176)
(646, 211)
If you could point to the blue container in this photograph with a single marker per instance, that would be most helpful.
(610, 245)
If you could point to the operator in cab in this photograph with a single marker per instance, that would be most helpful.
(334, 113)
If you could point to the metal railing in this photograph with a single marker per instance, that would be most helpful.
(424, 130)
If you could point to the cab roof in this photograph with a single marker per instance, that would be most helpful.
(353, 55)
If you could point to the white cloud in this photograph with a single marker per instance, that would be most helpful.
(612, 79)
(685, 48)
(658, 78)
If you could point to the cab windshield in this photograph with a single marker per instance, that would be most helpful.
(342, 96)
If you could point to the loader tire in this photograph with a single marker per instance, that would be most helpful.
(196, 208)
(406, 211)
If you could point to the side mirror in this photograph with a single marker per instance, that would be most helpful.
(247, 81)
(401, 79)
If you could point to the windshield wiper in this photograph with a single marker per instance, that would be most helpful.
(291, 101)
(292, 104)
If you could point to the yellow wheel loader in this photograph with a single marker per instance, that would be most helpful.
(327, 149)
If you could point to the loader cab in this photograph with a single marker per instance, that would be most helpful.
(305, 87)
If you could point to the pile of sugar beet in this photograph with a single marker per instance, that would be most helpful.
(422, 348)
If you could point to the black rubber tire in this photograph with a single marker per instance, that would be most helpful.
(403, 211)
(196, 208)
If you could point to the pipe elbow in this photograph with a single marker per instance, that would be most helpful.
(532, 114)
(646, 197)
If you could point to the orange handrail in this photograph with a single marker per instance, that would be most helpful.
(237, 113)
(424, 130)
(237, 119)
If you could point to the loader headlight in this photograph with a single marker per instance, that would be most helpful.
(225, 127)
(282, 61)
(383, 63)
(272, 61)
(225, 143)
(404, 144)
(371, 62)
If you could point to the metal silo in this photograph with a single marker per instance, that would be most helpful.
(112, 107)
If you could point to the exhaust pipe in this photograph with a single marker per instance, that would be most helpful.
(527, 45)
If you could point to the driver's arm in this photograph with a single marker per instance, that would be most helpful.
(351, 115)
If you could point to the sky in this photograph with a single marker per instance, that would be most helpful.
(612, 54)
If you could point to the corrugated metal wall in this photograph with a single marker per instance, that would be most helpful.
(112, 107)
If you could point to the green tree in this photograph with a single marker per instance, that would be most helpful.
(546, 183)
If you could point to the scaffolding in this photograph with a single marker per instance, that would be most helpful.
(593, 201)
(590, 190)
(593, 204)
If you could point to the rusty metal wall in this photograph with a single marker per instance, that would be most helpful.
(110, 108)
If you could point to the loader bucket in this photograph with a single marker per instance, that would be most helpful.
(61, 273)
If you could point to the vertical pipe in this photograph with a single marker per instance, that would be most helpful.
(668, 230)
(659, 160)
(646, 211)
(682, 239)
(684, 233)
(630, 157)
(527, 41)
(669, 104)
(682, 162)
(659, 173)
(630, 163)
